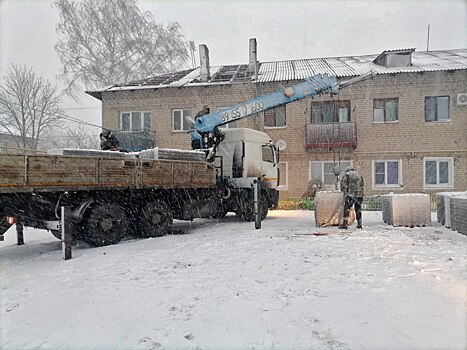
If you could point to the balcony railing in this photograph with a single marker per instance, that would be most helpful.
(330, 136)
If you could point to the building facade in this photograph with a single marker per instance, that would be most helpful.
(404, 130)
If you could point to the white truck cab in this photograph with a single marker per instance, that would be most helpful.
(247, 153)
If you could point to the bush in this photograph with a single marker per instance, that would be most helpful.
(306, 203)
(374, 203)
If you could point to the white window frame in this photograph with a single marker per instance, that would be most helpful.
(131, 119)
(438, 120)
(387, 186)
(285, 119)
(286, 186)
(322, 162)
(450, 183)
(183, 121)
(385, 100)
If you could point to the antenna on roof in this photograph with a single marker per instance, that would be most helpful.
(428, 38)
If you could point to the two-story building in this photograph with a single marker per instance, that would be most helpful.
(404, 130)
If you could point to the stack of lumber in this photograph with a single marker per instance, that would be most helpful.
(408, 209)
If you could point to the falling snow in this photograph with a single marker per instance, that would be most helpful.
(224, 285)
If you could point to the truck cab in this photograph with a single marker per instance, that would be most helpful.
(248, 153)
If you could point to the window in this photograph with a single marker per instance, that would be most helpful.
(233, 124)
(135, 120)
(283, 176)
(387, 173)
(385, 110)
(275, 117)
(179, 122)
(267, 154)
(436, 108)
(438, 172)
(330, 112)
(324, 171)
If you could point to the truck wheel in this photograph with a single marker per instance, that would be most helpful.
(249, 214)
(106, 224)
(57, 234)
(156, 219)
(263, 209)
(220, 212)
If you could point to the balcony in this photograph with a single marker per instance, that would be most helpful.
(331, 136)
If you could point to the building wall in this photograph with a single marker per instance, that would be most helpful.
(409, 140)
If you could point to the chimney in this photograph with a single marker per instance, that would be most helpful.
(204, 62)
(253, 57)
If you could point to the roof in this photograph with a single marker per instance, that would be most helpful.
(341, 67)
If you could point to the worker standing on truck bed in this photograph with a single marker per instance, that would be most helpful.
(352, 187)
(108, 141)
(202, 112)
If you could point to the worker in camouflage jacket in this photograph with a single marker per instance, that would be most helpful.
(352, 188)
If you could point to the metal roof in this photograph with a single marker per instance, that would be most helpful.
(346, 66)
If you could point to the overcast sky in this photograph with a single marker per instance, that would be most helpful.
(284, 30)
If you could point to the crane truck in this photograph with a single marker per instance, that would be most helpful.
(112, 194)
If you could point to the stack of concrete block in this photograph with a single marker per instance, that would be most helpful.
(173, 154)
(459, 213)
(452, 210)
(387, 209)
(445, 207)
(411, 209)
(329, 206)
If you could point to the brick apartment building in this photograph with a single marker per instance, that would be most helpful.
(405, 129)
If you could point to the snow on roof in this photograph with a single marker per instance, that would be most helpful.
(346, 66)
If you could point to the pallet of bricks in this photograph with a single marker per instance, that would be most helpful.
(451, 210)
(408, 209)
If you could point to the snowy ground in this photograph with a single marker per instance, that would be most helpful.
(225, 285)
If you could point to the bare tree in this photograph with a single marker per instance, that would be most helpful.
(76, 136)
(29, 104)
(107, 42)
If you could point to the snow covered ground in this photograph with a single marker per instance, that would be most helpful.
(224, 285)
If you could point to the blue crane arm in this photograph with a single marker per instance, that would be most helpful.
(205, 132)
(312, 86)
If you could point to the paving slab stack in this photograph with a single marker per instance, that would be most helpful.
(408, 209)
(452, 210)
(329, 206)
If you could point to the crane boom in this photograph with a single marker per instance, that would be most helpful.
(205, 132)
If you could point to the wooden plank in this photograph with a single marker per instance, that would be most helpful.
(12, 170)
(157, 174)
(64, 173)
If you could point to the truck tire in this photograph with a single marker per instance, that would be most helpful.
(220, 212)
(249, 214)
(57, 234)
(106, 224)
(156, 219)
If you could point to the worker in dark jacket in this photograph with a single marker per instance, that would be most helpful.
(352, 187)
(202, 112)
(108, 141)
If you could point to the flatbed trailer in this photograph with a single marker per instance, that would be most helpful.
(109, 197)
